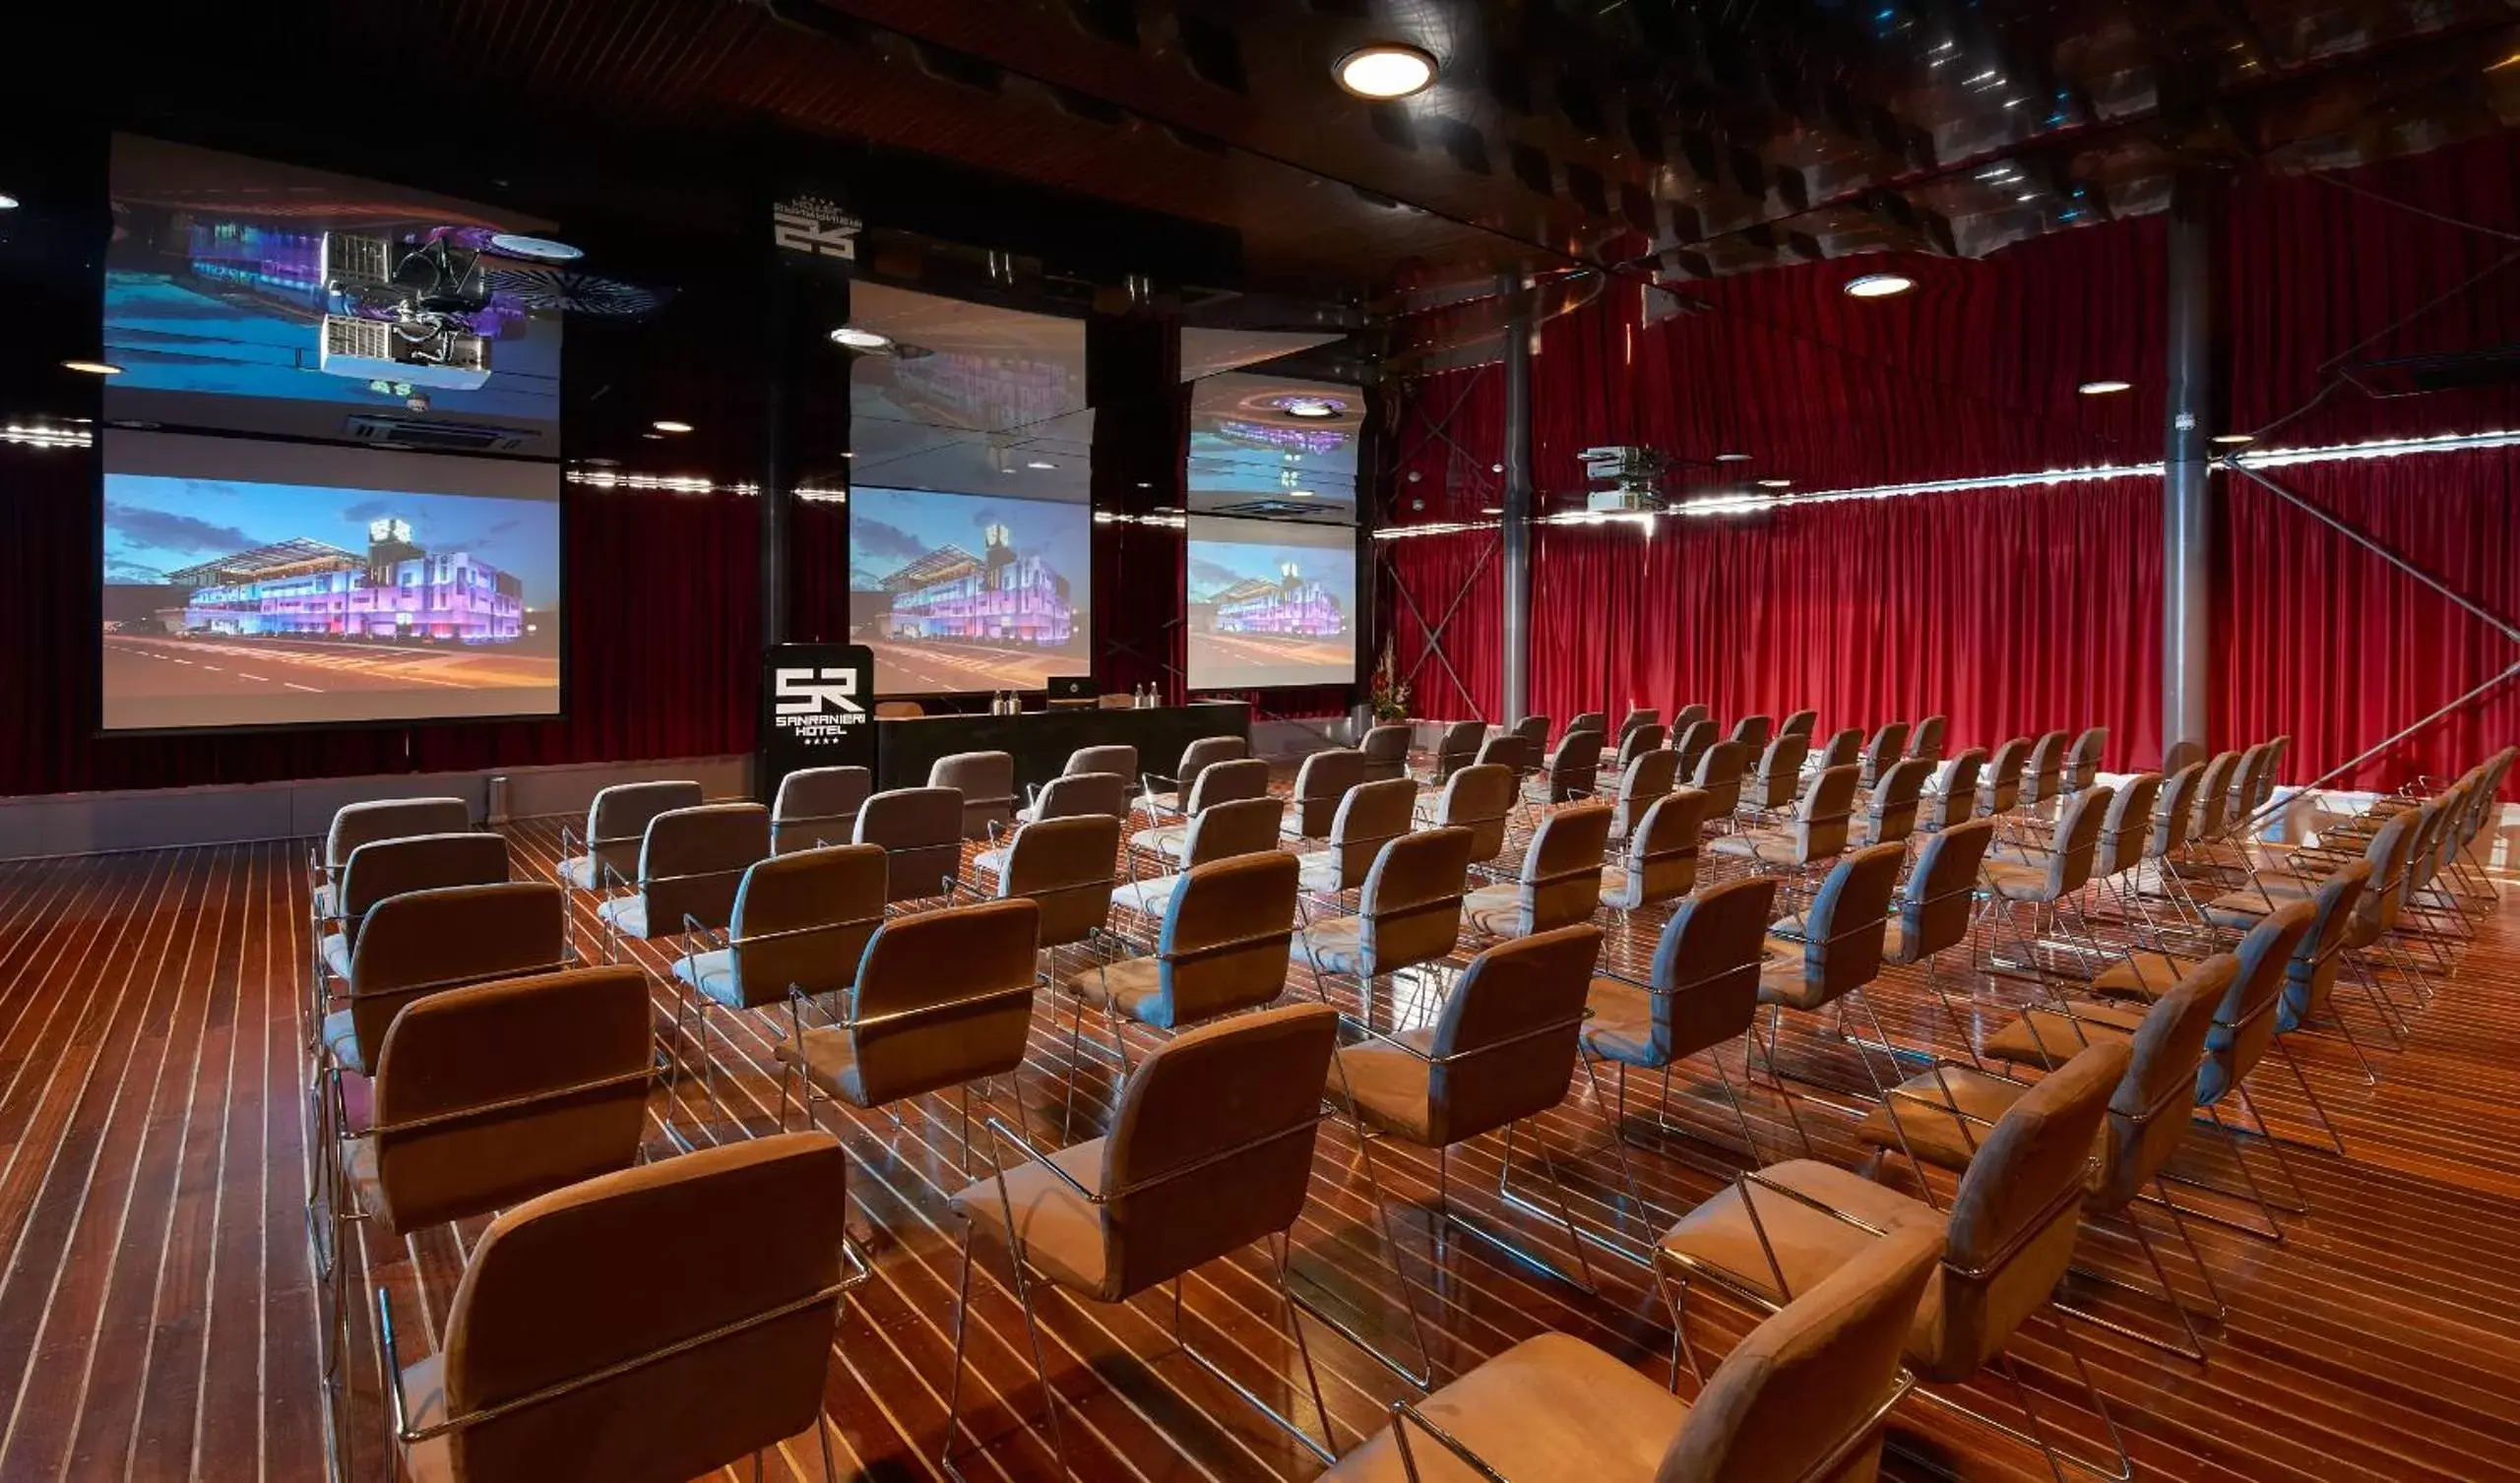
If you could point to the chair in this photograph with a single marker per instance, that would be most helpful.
(589, 1322)
(1112, 757)
(2009, 1235)
(617, 829)
(1999, 787)
(382, 869)
(1926, 740)
(1458, 748)
(689, 868)
(1841, 944)
(1233, 780)
(1637, 719)
(1480, 799)
(922, 832)
(1370, 815)
(1064, 867)
(1660, 862)
(1719, 777)
(1321, 785)
(1408, 914)
(1534, 733)
(1800, 723)
(1072, 795)
(1752, 731)
(1386, 752)
(2050, 886)
(1889, 814)
(1843, 749)
(1196, 758)
(1802, 1396)
(1687, 716)
(987, 781)
(1817, 830)
(1595, 721)
(1560, 881)
(1211, 1149)
(1642, 741)
(1572, 771)
(1690, 743)
(1507, 750)
(1647, 777)
(1115, 700)
(899, 711)
(1882, 751)
(357, 823)
(2043, 774)
(1936, 908)
(1221, 831)
(817, 806)
(2083, 759)
(1771, 789)
(944, 999)
(1953, 798)
(1702, 990)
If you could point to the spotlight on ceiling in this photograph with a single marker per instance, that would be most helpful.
(670, 425)
(8, 203)
(1879, 286)
(92, 367)
(1386, 70)
(2105, 387)
(1732, 457)
(1776, 483)
(853, 337)
(2235, 440)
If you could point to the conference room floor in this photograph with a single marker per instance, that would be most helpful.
(158, 1313)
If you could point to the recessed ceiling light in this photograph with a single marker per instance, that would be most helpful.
(1776, 483)
(670, 425)
(1386, 70)
(1732, 457)
(856, 339)
(2235, 440)
(1879, 285)
(654, 437)
(1310, 407)
(1038, 464)
(1144, 484)
(91, 367)
(2105, 387)
(8, 203)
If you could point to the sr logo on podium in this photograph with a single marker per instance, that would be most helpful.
(818, 703)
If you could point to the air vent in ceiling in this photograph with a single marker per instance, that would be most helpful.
(445, 437)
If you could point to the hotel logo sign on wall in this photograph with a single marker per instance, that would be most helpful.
(818, 703)
(815, 226)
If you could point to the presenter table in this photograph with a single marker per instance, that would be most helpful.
(906, 747)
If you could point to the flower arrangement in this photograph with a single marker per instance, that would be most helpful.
(1390, 694)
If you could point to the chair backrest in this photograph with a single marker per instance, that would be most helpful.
(2245, 780)
(1847, 919)
(1636, 742)
(694, 860)
(1956, 800)
(1116, 757)
(1071, 794)
(1370, 815)
(1719, 775)
(1065, 866)
(1596, 721)
(2044, 777)
(2310, 978)
(1643, 777)
(1457, 747)
(1321, 784)
(588, 1287)
(1706, 967)
(2244, 1024)
(2077, 842)
(1386, 751)
(1688, 715)
(1780, 774)
(1560, 882)
(802, 919)
(491, 1094)
(2013, 1220)
(1637, 717)
(2083, 759)
(943, 998)
(1505, 750)
(2213, 797)
(2385, 895)
(1801, 1395)
(1534, 730)
(1224, 947)
(1821, 820)
(817, 805)
(1575, 766)
(1999, 787)
(1800, 723)
(1883, 750)
(1231, 780)
(1480, 798)
(1843, 749)
(1410, 905)
(2148, 1114)
(1926, 740)
(357, 823)
(448, 937)
(987, 783)
(1754, 731)
(1212, 1145)
(1204, 752)
(383, 868)
(901, 711)
(1223, 830)
(922, 831)
(1691, 741)
(1505, 1045)
(1661, 861)
(618, 821)
(1935, 909)
(1896, 795)
(2128, 831)
(2173, 810)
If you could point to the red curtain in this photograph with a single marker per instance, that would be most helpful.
(1455, 668)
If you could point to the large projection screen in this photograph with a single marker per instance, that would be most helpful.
(261, 583)
(1270, 602)
(963, 592)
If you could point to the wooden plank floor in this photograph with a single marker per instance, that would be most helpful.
(159, 1314)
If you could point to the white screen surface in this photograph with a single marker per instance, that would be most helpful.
(1271, 604)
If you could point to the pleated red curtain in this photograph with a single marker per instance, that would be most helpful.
(1454, 668)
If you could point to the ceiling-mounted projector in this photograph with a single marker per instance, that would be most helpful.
(1630, 475)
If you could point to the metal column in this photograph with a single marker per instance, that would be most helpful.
(2187, 494)
(1517, 533)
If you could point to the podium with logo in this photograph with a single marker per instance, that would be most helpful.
(818, 711)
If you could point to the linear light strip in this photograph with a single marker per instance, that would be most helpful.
(45, 437)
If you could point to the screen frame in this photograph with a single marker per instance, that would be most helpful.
(1093, 671)
(1358, 661)
(97, 730)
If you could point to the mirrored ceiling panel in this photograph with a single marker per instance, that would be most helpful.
(1274, 447)
(968, 397)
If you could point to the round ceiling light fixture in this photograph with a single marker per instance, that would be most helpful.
(92, 367)
(670, 425)
(2105, 387)
(1879, 286)
(1386, 70)
(1314, 409)
(850, 336)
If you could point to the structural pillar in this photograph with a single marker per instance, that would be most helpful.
(2187, 491)
(1517, 530)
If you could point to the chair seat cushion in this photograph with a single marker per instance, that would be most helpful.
(341, 1042)
(1621, 1026)
(829, 1059)
(1334, 945)
(712, 973)
(625, 914)
(1317, 872)
(1061, 1230)
(1768, 846)
(2015, 880)
(1553, 1407)
(336, 952)
(2142, 976)
(1171, 840)
(990, 862)
(1495, 911)
(1783, 976)
(1621, 890)
(1392, 1089)
(579, 871)
(2046, 1038)
(1133, 986)
(2240, 910)
(1934, 1135)
(1152, 897)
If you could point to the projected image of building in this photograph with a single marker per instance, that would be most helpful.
(308, 588)
(1289, 605)
(998, 596)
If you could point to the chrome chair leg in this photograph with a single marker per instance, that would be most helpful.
(1322, 1449)
(2193, 1350)
(1586, 1283)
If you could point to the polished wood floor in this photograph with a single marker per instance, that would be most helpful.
(159, 1317)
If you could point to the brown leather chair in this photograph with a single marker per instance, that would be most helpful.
(1660, 861)
(987, 781)
(1936, 908)
(1754, 731)
(1560, 881)
(1840, 949)
(617, 829)
(1844, 749)
(1688, 715)
(1637, 719)
(1889, 814)
(944, 999)
(1219, 831)
(1803, 1396)
(1200, 755)
(642, 1326)
(1370, 815)
(1386, 752)
(1408, 914)
(2084, 757)
(1926, 740)
(1570, 772)
(1458, 748)
(1533, 731)
(1067, 796)
(899, 711)
(817, 807)
(1064, 865)
(1779, 1232)
(1718, 777)
(1882, 751)
(1702, 990)
(1595, 721)
(1112, 756)
(2049, 883)
(2042, 777)
(1322, 783)
(1776, 782)
(1817, 831)
(1480, 798)
(1211, 1149)
(385, 868)
(1643, 779)
(1953, 797)
(1999, 785)
(1233, 780)
(1801, 723)
(1691, 741)
(921, 830)
(1640, 741)
(357, 823)
(689, 870)
(1507, 750)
